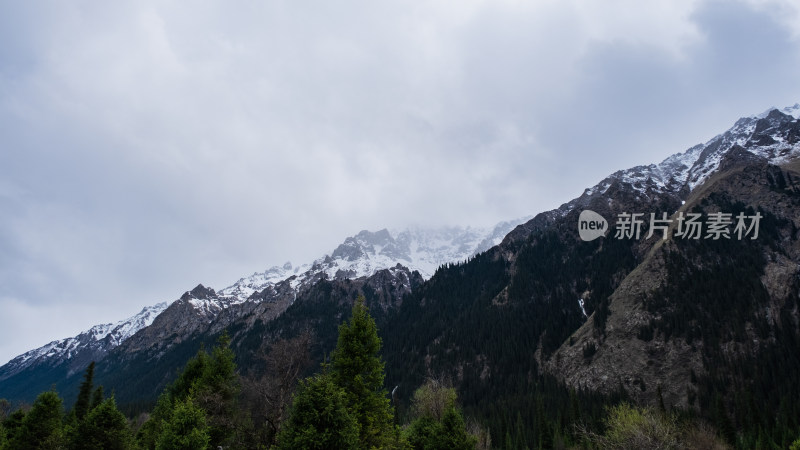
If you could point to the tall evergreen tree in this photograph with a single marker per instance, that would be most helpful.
(448, 433)
(151, 430)
(358, 369)
(85, 393)
(5, 409)
(97, 398)
(41, 427)
(104, 428)
(319, 418)
(13, 423)
(186, 428)
(210, 381)
(216, 392)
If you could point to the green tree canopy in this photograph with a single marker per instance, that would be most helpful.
(83, 402)
(186, 428)
(210, 381)
(319, 418)
(438, 423)
(104, 428)
(357, 368)
(41, 426)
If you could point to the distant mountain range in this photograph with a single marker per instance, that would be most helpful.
(527, 318)
(418, 249)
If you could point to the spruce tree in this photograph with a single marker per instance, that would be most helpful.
(210, 381)
(104, 428)
(543, 429)
(186, 428)
(13, 423)
(5, 408)
(41, 428)
(151, 430)
(319, 418)
(357, 368)
(428, 433)
(97, 398)
(85, 393)
(454, 431)
(216, 392)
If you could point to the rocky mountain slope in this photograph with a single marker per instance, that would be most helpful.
(661, 314)
(545, 317)
(85, 347)
(265, 294)
(701, 324)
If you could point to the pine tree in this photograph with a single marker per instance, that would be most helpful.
(97, 398)
(319, 418)
(217, 390)
(357, 368)
(41, 428)
(13, 423)
(438, 423)
(151, 430)
(454, 431)
(186, 429)
(190, 376)
(210, 381)
(104, 428)
(5, 408)
(85, 393)
(545, 433)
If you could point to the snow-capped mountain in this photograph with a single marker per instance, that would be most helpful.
(96, 340)
(362, 255)
(358, 256)
(773, 135)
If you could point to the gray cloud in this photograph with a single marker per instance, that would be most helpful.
(148, 147)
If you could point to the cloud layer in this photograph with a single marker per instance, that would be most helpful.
(151, 146)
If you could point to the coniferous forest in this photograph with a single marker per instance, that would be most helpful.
(344, 403)
(459, 360)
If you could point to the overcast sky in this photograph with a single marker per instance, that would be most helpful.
(146, 147)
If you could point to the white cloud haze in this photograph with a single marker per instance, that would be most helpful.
(146, 147)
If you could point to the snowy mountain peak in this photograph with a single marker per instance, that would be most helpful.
(793, 110)
(97, 339)
(367, 252)
(773, 134)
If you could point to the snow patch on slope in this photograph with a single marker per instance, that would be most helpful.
(366, 253)
(104, 337)
(758, 133)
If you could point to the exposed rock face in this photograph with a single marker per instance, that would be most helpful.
(261, 296)
(643, 340)
(624, 358)
(77, 352)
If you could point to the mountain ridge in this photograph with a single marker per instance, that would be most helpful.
(504, 317)
(359, 256)
(680, 173)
